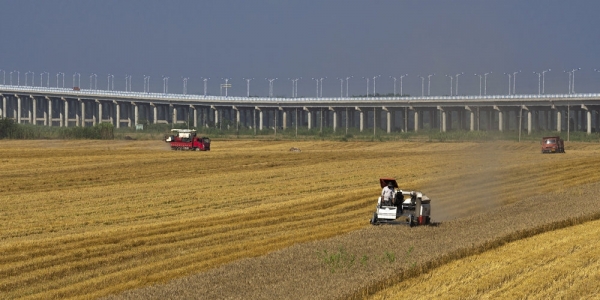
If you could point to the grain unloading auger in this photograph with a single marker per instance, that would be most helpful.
(406, 207)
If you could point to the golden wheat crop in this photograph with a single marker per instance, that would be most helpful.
(85, 219)
(561, 264)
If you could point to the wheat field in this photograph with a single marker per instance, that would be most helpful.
(86, 219)
(561, 264)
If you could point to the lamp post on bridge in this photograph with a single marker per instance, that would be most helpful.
(341, 87)
(18, 77)
(485, 82)
(374, 77)
(165, 84)
(321, 83)
(367, 78)
(63, 79)
(185, 80)
(317, 80)
(146, 84)
(573, 81)
(456, 89)
(27, 73)
(295, 87)
(79, 81)
(451, 83)
(429, 84)
(270, 86)
(509, 81)
(480, 78)
(347, 78)
(394, 84)
(422, 85)
(401, 84)
(110, 82)
(205, 85)
(543, 80)
(515, 81)
(226, 86)
(247, 86)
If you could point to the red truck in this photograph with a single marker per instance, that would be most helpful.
(553, 144)
(186, 139)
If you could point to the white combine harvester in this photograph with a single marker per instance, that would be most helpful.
(409, 207)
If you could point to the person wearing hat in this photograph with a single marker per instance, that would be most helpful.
(388, 195)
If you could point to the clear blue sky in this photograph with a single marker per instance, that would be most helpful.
(290, 39)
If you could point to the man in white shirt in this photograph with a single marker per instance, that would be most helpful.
(388, 195)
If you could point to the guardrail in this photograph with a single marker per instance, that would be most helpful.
(87, 93)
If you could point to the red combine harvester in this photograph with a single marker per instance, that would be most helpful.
(553, 144)
(186, 139)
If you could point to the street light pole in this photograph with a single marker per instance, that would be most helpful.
(347, 78)
(509, 81)
(456, 89)
(247, 86)
(451, 83)
(205, 81)
(341, 87)
(480, 77)
(543, 80)
(573, 81)
(271, 86)
(539, 82)
(317, 80)
(185, 80)
(367, 78)
(422, 85)
(401, 84)
(321, 83)
(394, 85)
(515, 81)
(374, 77)
(429, 84)
(226, 86)
(485, 82)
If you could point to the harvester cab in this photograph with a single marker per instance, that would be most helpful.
(409, 207)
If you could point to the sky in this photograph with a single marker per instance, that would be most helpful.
(306, 39)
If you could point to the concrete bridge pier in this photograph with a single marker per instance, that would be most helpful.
(100, 111)
(388, 119)
(33, 110)
(260, 119)
(415, 119)
(117, 107)
(82, 112)
(471, 118)
(558, 120)
(18, 109)
(588, 118)
(3, 107)
(361, 118)
(136, 114)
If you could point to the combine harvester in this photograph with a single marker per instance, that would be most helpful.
(186, 139)
(410, 207)
(553, 144)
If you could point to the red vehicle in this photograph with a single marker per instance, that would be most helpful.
(186, 139)
(553, 144)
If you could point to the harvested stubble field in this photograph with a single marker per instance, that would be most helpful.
(250, 219)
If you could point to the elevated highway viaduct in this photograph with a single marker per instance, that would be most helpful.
(67, 107)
